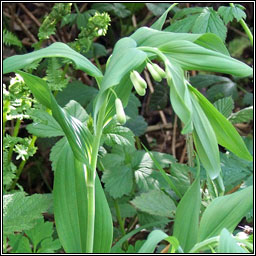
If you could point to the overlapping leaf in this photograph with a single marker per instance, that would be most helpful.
(55, 50)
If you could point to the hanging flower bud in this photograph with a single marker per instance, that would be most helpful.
(154, 73)
(139, 83)
(159, 70)
(120, 111)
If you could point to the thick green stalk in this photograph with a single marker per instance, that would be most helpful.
(245, 27)
(90, 180)
(5, 109)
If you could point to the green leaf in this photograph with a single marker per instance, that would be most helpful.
(210, 21)
(187, 11)
(155, 202)
(118, 180)
(58, 49)
(10, 39)
(237, 46)
(179, 96)
(160, 22)
(159, 98)
(44, 125)
(39, 233)
(153, 239)
(229, 13)
(20, 212)
(70, 207)
(187, 216)
(224, 106)
(205, 141)
(225, 212)
(78, 135)
(19, 244)
(158, 8)
(184, 52)
(204, 81)
(77, 91)
(138, 125)
(225, 132)
(117, 134)
(227, 244)
(77, 111)
(244, 115)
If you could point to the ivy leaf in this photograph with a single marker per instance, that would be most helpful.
(229, 13)
(244, 115)
(225, 106)
(118, 180)
(210, 21)
(155, 202)
(20, 212)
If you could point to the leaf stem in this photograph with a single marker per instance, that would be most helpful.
(245, 27)
(14, 135)
(22, 164)
(90, 180)
(119, 218)
(5, 109)
(204, 244)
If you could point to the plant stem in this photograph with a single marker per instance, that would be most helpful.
(90, 180)
(245, 27)
(22, 164)
(204, 244)
(190, 149)
(5, 109)
(119, 218)
(14, 135)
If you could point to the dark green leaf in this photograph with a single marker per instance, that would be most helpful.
(137, 125)
(118, 180)
(19, 244)
(224, 106)
(244, 115)
(228, 13)
(159, 98)
(155, 202)
(222, 90)
(157, 8)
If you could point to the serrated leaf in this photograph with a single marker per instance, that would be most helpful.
(228, 13)
(222, 90)
(116, 134)
(187, 11)
(225, 106)
(118, 180)
(242, 116)
(225, 212)
(20, 212)
(237, 46)
(19, 244)
(227, 244)
(210, 21)
(41, 232)
(137, 125)
(155, 202)
(44, 125)
(159, 98)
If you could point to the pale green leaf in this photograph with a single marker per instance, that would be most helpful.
(227, 244)
(70, 207)
(225, 212)
(187, 216)
(153, 239)
(77, 111)
(184, 52)
(224, 106)
(20, 212)
(242, 116)
(205, 141)
(155, 202)
(225, 132)
(55, 50)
